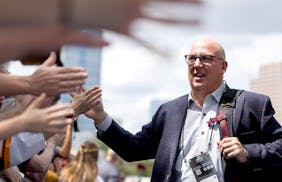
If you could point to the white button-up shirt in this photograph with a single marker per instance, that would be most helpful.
(196, 135)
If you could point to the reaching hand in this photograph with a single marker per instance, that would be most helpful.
(97, 113)
(83, 100)
(54, 80)
(51, 119)
(22, 102)
(90, 103)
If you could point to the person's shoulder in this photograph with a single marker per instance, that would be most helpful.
(251, 94)
(253, 97)
(175, 103)
(181, 99)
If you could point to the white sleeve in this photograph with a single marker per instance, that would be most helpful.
(24, 146)
(104, 125)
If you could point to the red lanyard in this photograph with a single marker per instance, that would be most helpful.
(220, 119)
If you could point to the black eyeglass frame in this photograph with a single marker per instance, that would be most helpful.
(204, 59)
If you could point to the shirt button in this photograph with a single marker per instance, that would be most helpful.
(167, 177)
(204, 114)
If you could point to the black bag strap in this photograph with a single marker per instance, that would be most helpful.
(227, 104)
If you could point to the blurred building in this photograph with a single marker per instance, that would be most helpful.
(90, 59)
(269, 82)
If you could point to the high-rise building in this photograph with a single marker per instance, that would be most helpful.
(90, 59)
(269, 82)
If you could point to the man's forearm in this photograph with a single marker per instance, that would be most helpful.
(40, 162)
(14, 85)
(66, 146)
(11, 126)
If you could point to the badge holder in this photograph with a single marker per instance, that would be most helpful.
(203, 168)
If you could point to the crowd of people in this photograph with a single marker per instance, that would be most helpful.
(212, 133)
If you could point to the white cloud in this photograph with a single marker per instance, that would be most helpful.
(17, 68)
(133, 76)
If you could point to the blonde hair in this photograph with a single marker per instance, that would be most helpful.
(84, 165)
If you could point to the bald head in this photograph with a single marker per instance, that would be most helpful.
(206, 68)
(211, 45)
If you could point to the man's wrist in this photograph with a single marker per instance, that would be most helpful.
(75, 112)
(100, 118)
(246, 161)
(28, 86)
(104, 125)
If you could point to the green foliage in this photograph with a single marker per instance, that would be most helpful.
(101, 145)
(131, 168)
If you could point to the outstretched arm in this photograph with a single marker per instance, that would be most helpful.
(89, 102)
(52, 119)
(64, 150)
(47, 78)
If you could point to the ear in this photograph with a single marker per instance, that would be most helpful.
(224, 66)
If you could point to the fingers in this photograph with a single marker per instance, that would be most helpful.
(83, 102)
(226, 144)
(229, 152)
(55, 80)
(231, 147)
(72, 94)
(83, 89)
(51, 60)
(55, 126)
(71, 83)
(92, 96)
(70, 75)
(79, 91)
(72, 89)
(39, 101)
(95, 100)
(58, 117)
(94, 91)
(59, 107)
(68, 70)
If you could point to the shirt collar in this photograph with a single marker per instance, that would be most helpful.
(215, 94)
(218, 92)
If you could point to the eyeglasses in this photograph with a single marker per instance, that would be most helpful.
(204, 59)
